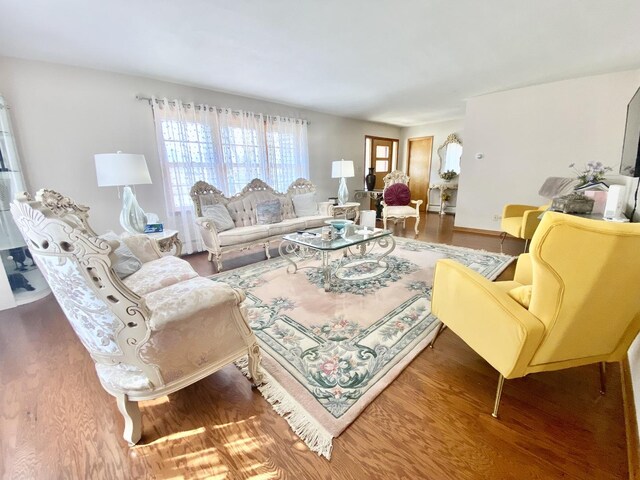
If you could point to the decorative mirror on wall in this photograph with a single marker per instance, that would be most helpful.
(450, 153)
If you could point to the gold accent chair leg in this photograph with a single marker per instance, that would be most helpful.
(441, 327)
(603, 378)
(132, 419)
(498, 395)
(503, 235)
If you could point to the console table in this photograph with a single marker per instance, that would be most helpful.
(443, 187)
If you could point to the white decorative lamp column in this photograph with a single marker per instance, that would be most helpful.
(342, 169)
(121, 170)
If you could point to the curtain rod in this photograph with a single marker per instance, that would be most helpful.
(199, 106)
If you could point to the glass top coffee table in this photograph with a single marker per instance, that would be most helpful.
(356, 244)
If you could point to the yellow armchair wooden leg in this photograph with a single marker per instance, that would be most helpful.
(441, 327)
(498, 395)
(603, 378)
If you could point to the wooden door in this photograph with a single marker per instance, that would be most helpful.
(419, 169)
(381, 158)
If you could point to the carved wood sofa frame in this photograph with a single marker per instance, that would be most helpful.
(203, 193)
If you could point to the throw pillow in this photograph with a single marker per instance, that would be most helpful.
(123, 261)
(219, 215)
(305, 204)
(397, 194)
(269, 211)
(522, 295)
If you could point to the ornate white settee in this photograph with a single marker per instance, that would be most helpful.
(246, 232)
(149, 334)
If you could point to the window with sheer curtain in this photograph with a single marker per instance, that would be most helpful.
(226, 149)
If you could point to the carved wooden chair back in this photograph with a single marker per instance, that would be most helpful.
(110, 320)
(397, 176)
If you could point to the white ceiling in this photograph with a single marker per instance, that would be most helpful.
(403, 62)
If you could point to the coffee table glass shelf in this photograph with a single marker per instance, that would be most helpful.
(361, 248)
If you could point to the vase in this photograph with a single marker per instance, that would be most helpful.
(370, 180)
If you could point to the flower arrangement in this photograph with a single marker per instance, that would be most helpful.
(594, 172)
(448, 175)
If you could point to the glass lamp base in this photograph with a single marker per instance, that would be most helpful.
(132, 217)
(343, 192)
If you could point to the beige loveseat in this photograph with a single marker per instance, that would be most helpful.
(242, 208)
(150, 333)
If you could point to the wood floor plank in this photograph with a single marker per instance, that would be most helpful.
(432, 422)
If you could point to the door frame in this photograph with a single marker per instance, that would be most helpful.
(413, 139)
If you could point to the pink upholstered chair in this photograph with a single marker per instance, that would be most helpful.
(150, 334)
(396, 202)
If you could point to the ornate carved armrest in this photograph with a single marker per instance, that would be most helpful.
(209, 233)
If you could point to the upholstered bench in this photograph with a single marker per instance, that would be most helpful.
(255, 216)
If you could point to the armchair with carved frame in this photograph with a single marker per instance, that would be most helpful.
(149, 338)
(399, 212)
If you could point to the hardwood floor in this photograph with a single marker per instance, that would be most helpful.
(432, 422)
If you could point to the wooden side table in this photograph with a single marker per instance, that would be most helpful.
(168, 241)
(349, 208)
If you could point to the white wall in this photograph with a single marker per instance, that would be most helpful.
(529, 134)
(64, 115)
(439, 131)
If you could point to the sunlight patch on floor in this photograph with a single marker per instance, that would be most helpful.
(178, 436)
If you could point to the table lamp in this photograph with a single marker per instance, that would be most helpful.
(121, 170)
(342, 169)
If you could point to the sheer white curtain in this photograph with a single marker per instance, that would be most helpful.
(242, 140)
(287, 151)
(188, 153)
(226, 149)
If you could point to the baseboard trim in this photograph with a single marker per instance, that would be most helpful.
(478, 231)
(630, 421)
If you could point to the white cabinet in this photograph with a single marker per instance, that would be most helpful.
(20, 280)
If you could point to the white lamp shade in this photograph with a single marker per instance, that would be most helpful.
(116, 169)
(342, 169)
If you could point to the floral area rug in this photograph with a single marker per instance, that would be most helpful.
(327, 355)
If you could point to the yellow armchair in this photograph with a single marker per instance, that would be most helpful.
(520, 221)
(573, 300)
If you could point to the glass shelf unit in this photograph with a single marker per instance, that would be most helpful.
(20, 280)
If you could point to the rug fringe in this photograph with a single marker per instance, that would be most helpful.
(304, 426)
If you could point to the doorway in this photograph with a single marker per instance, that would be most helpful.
(382, 154)
(419, 168)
